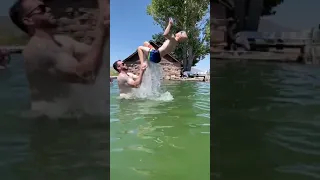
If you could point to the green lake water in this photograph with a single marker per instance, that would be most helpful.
(266, 121)
(148, 139)
(47, 149)
(162, 140)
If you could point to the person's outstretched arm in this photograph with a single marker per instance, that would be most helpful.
(166, 33)
(92, 61)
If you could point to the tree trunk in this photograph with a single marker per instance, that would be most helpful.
(190, 58)
(185, 60)
(254, 12)
(184, 50)
(240, 13)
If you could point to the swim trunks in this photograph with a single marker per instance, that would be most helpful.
(154, 56)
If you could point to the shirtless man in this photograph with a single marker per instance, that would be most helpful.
(168, 46)
(55, 63)
(126, 80)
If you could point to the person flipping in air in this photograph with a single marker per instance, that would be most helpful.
(155, 55)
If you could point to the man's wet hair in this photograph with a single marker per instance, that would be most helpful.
(115, 65)
(16, 14)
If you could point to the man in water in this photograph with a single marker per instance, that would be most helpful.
(126, 80)
(168, 46)
(54, 63)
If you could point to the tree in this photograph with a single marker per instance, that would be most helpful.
(12, 40)
(113, 72)
(189, 15)
(268, 6)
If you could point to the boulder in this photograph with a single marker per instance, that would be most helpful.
(66, 21)
(79, 34)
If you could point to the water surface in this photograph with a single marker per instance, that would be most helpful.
(266, 121)
(149, 139)
(44, 148)
(162, 139)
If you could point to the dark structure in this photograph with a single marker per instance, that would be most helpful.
(247, 12)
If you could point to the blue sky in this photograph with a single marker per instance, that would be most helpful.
(130, 27)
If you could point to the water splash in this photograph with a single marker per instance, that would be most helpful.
(151, 85)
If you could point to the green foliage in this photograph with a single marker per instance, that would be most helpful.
(268, 6)
(11, 40)
(113, 72)
(189, 15)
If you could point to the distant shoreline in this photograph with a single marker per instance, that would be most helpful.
(178, 79)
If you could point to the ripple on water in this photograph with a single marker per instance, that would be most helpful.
(155, 134)
(311, 170)
(270, 112)
(296, 139)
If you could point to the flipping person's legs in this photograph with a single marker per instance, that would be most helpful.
(142, 52)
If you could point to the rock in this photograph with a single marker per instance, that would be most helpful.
(91, 33)
(65, 21)
(69, 10)
(79, 23)
(79, 34)
(79, 27)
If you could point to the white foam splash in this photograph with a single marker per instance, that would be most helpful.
(151, 85)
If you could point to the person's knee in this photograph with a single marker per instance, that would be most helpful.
(140, 47)
(143, 48)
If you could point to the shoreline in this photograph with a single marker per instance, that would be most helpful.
(198, 79)
(190, 79)
(256, 56)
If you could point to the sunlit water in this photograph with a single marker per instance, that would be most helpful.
(266, 121)
(162, 138)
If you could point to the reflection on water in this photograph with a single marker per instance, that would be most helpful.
(54, 150)
(43, 149)
(162, 140)
(266, 121)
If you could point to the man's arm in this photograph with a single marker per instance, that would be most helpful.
(66, 68)
(61, 66)
(79, 49)
(166, 33)
(92, 61)
(136, 83)
(133, 75)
